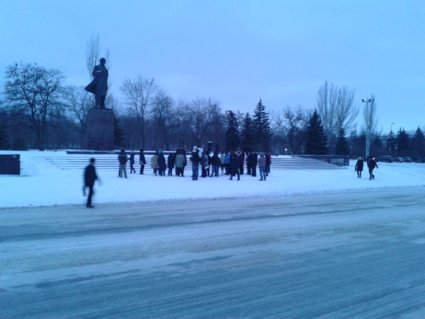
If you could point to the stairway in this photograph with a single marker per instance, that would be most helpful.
(64, 161)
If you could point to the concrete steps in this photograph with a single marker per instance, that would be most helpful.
(110, 162)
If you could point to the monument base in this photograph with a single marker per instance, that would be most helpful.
(99, 130)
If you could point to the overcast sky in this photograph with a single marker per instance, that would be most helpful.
(235, 51)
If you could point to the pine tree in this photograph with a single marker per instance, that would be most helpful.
(247, 134)
(418, 144)
(403, 143)
(391, 143)
(118, 133)
(262, 129)
(4, 141)
(342, 147)
(232, 133)
(316, 140)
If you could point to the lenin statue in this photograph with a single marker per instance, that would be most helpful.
(99, 85)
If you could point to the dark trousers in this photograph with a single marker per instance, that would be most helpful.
(142, 168)
(90, 195)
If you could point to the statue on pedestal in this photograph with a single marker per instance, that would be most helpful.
(99, 85)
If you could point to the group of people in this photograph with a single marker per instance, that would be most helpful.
(209, 164)
(371, 165)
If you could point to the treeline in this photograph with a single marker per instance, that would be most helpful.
(38, 110)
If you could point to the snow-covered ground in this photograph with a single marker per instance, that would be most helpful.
(41, 184)
(303, 244)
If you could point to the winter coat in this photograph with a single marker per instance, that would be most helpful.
(132, 158)
(154, 161)
(122, 158)
(359, 165)
(195, 159)
(161, 162)
(179, 160)
(262, 161)
(233, 164)
(90, 175)
(241, 159)
(215, 160)
(222, 159)
(142, 158)
(371, 164)
(204, 160)
(171, 160)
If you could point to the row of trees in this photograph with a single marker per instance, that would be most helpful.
(38, 110)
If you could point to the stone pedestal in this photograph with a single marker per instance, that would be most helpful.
(99, 130)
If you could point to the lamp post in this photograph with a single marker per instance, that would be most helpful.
(368, 129)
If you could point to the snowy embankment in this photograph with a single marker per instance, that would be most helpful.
(42, 184)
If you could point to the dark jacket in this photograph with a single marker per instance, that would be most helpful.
(371, 164)
(122, 158)
(359, 165)
(142, 159)
(90, 175)
(170, 160)
(195, 159)
(161, 162)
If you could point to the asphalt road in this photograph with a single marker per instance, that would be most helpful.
(351, 255)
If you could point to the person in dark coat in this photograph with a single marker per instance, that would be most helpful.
(99, 85)
(142, 161)
(161, 164)
(234, 165)
(90, 177)
(170, 163)
(122, 159)
(215, 162)
(359, 167)
(371, 164)
(268, 163)
(204, 164)
(252, 163)
(241, 161)
(195, 159)
(132, 170)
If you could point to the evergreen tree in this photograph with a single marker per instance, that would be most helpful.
(391, 143)
(232, 133)
(4, 141)
(118, 133)
(316, 140)
(262, 131)
(342, 147)
(403, 143)
(418, 144)
(247, 134)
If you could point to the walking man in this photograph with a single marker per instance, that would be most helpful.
(371, 164)
(90, 177)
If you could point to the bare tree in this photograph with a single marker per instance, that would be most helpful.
(93, 49)
(295, 122)
(79, 102)
(36, 91)
(205, 113)
(336, 109)
(138, 95)
(370, 121)
(161, 114)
